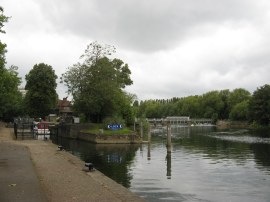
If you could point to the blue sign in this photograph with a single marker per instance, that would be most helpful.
(114, 126)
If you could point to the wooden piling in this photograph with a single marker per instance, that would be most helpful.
(169, 138)
(149, 134)
(141, 129)
(149, 151)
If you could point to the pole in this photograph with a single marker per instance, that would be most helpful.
(141, 129)
(149, 151)
(149, 134)
(169, 138)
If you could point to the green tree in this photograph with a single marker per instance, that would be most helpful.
(237, 96)
(97, 85)
(240, 111)
(190, 106)
(10, 97)
(152, 109)
(41, 93)
(3, 19)
(2, 55)
(224, 95)
(260, 105)
(212, 104)
(125, 108)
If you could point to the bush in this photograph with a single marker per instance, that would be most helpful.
(113, 120)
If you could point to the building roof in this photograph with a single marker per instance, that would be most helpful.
(64, 106)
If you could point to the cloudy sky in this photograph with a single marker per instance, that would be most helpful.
(174, 48)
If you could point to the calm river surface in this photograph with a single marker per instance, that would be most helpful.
(206, 164)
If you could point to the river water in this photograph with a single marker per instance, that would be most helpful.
(205, 164)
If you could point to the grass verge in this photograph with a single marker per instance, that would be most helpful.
(124, 131)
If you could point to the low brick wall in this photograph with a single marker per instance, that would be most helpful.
(110, 139)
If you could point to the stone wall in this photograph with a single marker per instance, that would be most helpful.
(74, 131)
(69, 130)
(110, 139)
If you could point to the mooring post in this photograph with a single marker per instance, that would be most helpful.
(149, 151)
(141, 129)
(149, 134)
(169, 138)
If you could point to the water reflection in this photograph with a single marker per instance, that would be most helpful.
(149, 152)
(261, 154)
(112, 160)
(169, 165)
(205, 164)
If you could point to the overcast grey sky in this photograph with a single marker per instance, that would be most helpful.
(174, 48)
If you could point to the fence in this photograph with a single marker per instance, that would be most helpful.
(24, 128)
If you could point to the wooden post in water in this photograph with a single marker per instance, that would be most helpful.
(149, 134)
(149, 151)
(169, 150)
(169, 138)
(141, 127)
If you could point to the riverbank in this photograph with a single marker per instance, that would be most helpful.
(226, 124)
(62, 177)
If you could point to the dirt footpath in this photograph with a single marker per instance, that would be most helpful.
(61, 174)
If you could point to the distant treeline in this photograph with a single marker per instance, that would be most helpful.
(238, 104)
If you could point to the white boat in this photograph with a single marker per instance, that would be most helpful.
(41, 130)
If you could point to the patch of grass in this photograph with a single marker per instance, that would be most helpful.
(110, 132)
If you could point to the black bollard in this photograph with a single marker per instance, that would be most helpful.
(90, 166)
(60, 147)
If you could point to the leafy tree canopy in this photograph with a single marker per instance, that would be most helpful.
(260, 105)
(10, 97)
(240, 111)
(3, 19)
(237, 96)
(97, 84)
(41, 93)
(214, 105)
